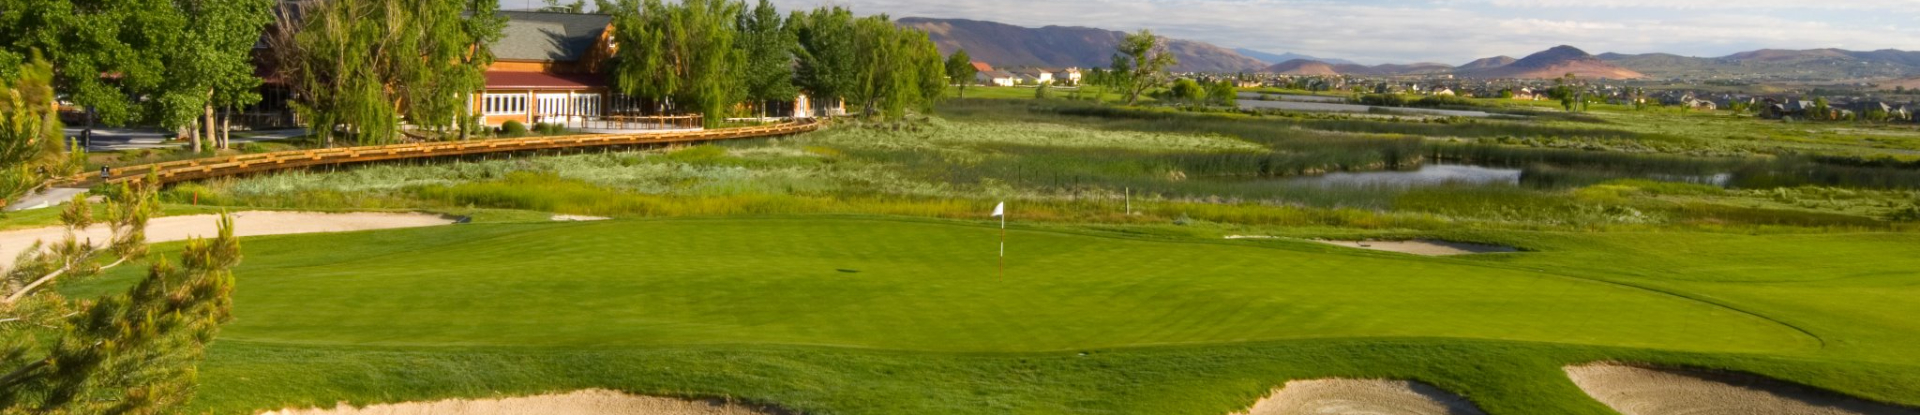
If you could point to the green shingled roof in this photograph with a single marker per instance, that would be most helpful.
(553, 37)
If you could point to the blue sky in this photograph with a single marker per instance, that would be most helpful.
(1456, 31)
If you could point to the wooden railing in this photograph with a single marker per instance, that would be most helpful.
(197, 169)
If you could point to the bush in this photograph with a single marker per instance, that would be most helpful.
(549, 129)
(513, 129)
(252, 148)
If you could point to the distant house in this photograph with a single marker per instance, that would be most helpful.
(1441, 91)
(1524, 94)
(1702, 105)
(1068, 77)
(547, 69)
(979, 66)
(1036, 76)
(996, 78)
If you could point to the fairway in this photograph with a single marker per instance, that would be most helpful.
(926, 286)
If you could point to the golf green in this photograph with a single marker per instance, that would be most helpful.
(924, 286)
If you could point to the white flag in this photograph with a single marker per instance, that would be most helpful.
(1000, 209)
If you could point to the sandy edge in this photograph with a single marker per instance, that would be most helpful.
(580, 402)
(247, 223)
(1425, 247)
(1645, 390)
(1360, 396)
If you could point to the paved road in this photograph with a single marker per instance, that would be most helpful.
(47, 198)
(119, 139)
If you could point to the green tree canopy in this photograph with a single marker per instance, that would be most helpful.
(960, 70)
(355, 65)
(1140, 63)
(769, 49)
(684, 53)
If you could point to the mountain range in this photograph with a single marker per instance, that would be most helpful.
(1009, 46)
(1283, 57)
(1551, 63)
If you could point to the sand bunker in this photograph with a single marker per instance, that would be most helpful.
(584, 402)
(1636, 390)
(1361, 397)
(578, 218)
(1428, 247)
(177, 228)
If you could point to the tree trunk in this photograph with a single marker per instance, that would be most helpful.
(226, 129)
(212, 136)
(192, 132)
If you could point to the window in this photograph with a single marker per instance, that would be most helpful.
(504, 104)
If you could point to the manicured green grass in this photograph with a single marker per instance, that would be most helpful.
(877, 316)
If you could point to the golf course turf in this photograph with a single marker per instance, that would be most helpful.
(835, 314)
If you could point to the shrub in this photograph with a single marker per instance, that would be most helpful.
(549, 129)
(513, 129)
(251, 148)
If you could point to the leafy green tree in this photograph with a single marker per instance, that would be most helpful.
(1821, 110)
(555, 6)
(931, 75)
(353, 65)
(1040, 91)
(769, 46)
(225, 35)
(827, 66)
(960, 70)
(682, 53)
(1223, 93)
(1142, 62)
(1187, 91)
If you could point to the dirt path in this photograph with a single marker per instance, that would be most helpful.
(583, 402)
(253, 223)
(1636, 390)
(1361, 397)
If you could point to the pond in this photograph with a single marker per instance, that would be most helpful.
(1451, 174)
(1426, 175)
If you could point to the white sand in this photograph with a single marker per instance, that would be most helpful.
(252, 223)
(583, 402)
(1426, 247)
(1636, 390)
(578, 218)
(1361, 397)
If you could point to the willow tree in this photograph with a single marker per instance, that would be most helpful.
(882, 67)
(681, 53)
(356, 66)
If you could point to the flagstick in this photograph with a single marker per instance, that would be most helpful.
(1003, 245)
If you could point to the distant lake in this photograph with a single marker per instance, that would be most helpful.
(1441, 174)
(1336, 105)
(1427, 175)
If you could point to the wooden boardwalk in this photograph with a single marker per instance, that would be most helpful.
(204, 168)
